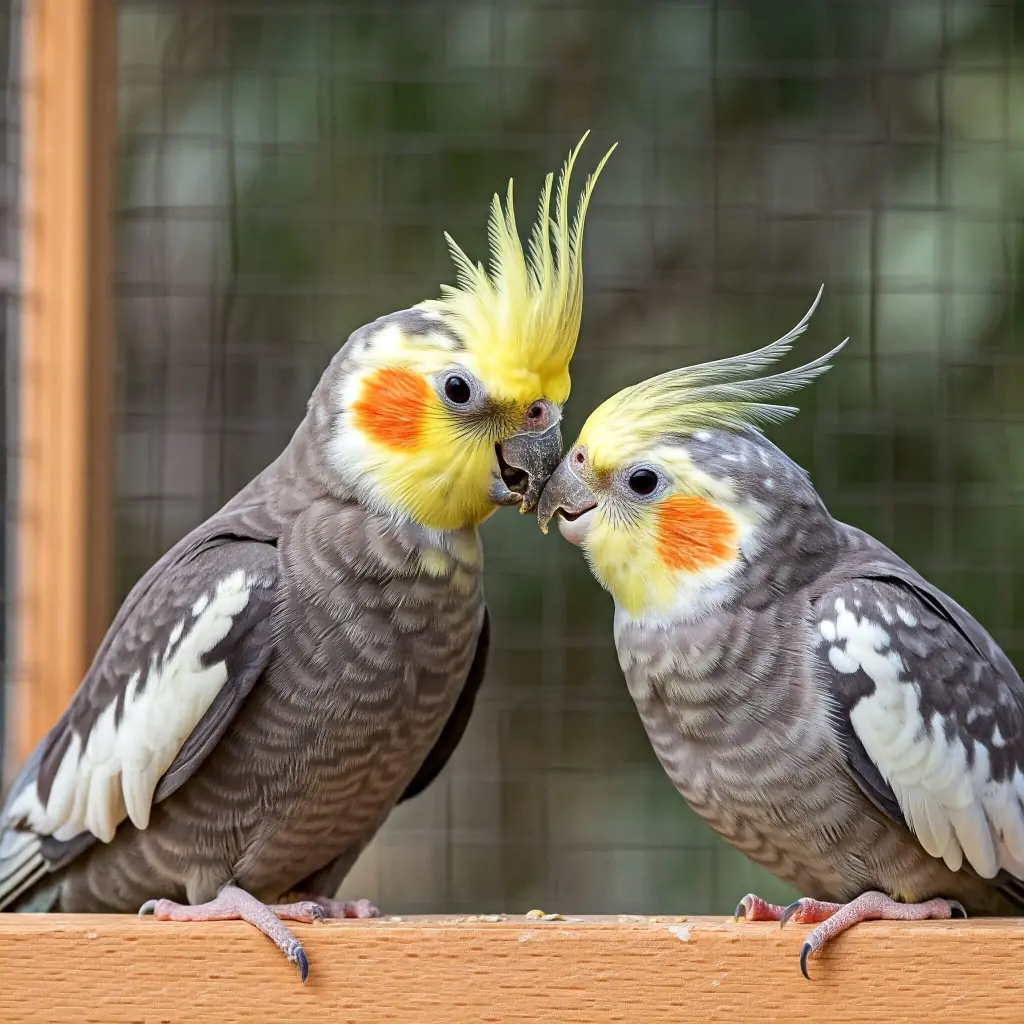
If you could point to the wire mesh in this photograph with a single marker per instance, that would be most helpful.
(287, 169)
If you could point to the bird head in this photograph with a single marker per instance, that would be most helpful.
(670, 485)
(448, 410)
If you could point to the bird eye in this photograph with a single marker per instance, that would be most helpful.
(643, 481)
(457, 390)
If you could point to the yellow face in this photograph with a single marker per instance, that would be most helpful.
(661, 532)
(653, 526)
(459, 414)
(424, 426)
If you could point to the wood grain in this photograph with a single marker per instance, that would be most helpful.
(66, 357)
(594, 970)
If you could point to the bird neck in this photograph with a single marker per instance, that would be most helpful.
(291, 483)
(299, 477)
(795, 546)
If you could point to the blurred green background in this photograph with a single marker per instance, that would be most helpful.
(287, 169)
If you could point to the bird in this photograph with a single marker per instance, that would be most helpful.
(822, 706)
(309, 656)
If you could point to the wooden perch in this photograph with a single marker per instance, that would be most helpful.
(462, 970)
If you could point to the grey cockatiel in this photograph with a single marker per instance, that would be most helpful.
(309, 656)
(828, 711)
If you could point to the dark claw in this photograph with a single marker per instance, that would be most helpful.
(803, 960)
(741, 911)
(297, 955)
(955, 908)
(789, 912)
(147, 908)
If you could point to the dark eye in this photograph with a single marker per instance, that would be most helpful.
(643, 481)
(457, 390)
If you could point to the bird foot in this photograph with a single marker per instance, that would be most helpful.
(234, 904)
(834, 918)
(805, 911)
(338, 909)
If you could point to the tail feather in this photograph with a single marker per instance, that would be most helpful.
(22, 864)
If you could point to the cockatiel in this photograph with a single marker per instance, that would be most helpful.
(309, 656)
(816, 701)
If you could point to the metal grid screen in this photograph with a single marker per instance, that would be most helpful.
(287, 169)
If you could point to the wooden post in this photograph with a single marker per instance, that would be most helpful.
(64, 485)
(57, 968)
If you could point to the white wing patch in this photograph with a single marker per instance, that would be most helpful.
(955, 809)
(117, 772)
(905, 617)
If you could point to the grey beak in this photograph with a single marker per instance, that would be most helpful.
(526, 461)
(567, 493)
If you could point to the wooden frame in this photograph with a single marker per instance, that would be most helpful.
(64, 485)
(465, 971)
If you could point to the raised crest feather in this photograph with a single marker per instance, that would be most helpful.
(708, 395)
(524, 315)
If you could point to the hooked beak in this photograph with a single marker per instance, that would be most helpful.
(568, 497)
(525, 462)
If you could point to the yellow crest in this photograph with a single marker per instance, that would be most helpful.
(522, 319)
(701, 397)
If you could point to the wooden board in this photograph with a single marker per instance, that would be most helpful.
(419, 970)
(65, 441)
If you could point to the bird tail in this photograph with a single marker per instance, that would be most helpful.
(21, 864)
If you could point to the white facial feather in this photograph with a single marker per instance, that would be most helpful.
(955, 808)
(116, 774)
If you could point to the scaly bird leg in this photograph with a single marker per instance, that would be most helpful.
(869, 906)
(234, 904)
(872, 906)
(833, 918)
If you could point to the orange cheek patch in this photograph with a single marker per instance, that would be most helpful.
(392, 407)
(693, 534)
